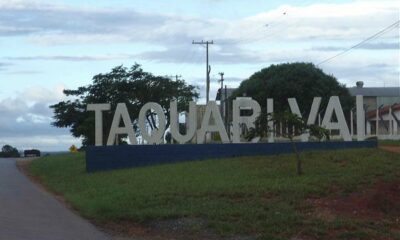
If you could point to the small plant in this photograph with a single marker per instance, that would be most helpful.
(261, 128)
(319, 132)
(296, 127)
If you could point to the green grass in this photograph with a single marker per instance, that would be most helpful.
(259, 196)
(389, 142)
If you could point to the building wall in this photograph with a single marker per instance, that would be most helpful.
(387, 126)
(387, 100)
(370, 102)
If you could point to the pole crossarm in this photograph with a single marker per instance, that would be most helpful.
(208, 67)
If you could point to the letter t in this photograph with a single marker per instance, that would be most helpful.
(98, 109)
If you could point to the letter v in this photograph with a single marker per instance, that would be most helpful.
(294, 107)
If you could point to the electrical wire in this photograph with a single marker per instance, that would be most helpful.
(376, 35)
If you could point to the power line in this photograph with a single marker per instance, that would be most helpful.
(191, 57)
(386, 29)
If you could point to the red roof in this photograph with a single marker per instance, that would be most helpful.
(384, 110)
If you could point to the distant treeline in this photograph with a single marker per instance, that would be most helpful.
(8, 151)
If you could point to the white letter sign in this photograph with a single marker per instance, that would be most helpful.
(238, 120)
(334, 119)
(311, 117)
(156, 135)
(341, 125)
(218, 126)
(191, 121)
(98, 119)
(121, 113)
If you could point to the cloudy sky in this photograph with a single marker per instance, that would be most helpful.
(49, 45)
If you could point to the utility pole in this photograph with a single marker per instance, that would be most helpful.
(221, 80)
(220, 90)
(226, 106)
(174, 76)
(177, 77)
(208, 67)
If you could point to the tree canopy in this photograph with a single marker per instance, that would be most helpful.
(9, 151)
(132, 86)
(302, 81)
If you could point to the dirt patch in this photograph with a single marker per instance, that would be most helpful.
(374, 203)
(394, 149)
(169, 229)
(377, 204)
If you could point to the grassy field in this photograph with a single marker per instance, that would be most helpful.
(250, 196)
(389, 142)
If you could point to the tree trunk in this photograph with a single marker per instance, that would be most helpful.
(299, 167)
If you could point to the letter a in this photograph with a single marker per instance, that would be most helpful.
(121, 113)
(341, 125)
(212, 110)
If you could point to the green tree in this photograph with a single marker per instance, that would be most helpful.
(7, 148)
(302, 81)
(132, 86)
(9, 151)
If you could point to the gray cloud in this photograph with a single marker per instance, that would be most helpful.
(25, 121)
(49, 23)
(68, 58)
(378, 66)
(374, 75)
(45, 19)
(4, 66)
(28, 128)
(236, 55)
(176, 54)
(233, 80)
(41, 109)
(23, 72)
(368, 46)
(327, 49)
(58, 23)
(224, 55)
(381, 45)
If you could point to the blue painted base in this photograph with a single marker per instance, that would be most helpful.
(125, 156)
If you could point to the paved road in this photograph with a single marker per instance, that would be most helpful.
(29, 213)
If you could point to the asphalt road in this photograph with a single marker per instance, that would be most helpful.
(29, 213)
